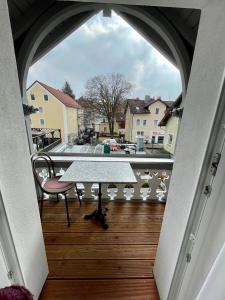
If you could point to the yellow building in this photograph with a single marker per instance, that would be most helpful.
(57, 110)
(171, 121)
(143, 117)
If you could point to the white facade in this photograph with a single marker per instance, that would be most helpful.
(146, 124)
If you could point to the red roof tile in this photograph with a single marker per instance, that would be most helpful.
(138, 106)
(62, 97)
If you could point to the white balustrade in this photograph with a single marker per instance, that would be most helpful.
(152, 184)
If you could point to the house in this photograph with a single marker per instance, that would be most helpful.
(119, 126)
(190, 255)
(143, 117)
(57, 110)
(86, 115)
(171, 123)
(89, 118)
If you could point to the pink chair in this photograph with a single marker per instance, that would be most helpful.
(51, 185)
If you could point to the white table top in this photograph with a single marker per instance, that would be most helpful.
(99, 172)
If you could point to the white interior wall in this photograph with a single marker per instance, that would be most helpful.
(201, 102)
(214, 287)
(16, 178)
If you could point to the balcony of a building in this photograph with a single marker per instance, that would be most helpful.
(190, 253)
(45, 139)
(87, 262)
(116, 263)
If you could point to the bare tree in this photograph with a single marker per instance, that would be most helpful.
(105, 95)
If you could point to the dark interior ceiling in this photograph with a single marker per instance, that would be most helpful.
(25, 13)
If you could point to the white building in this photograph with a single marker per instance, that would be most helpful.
(143, 117)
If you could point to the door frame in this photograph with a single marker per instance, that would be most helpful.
(198, 209)
(8, 257)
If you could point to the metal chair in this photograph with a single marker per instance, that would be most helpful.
(51, 185)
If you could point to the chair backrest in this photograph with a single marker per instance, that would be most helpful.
(48, 162)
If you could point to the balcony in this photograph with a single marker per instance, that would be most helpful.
(87, 262)
(112, 264)
(45, 139)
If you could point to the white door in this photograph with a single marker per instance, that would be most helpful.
(209, 242)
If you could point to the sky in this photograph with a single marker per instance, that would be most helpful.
(106, 45)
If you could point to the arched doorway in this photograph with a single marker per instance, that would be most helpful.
(170, 42)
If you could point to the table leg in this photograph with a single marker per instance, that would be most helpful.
(99, 198)
(100, 213)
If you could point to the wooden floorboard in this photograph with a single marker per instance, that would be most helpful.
(122, 207)
(127, 208)
(101, 251)
(93, 238)
(122, 289)
(88, 262)
(89, 226)
(120, 218)
(100, 269)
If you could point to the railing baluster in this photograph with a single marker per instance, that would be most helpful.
(120, 194)
(104, 191)
(94, 190)
(87, 191)
(158, 180)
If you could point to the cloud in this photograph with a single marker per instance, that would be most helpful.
(105, 45)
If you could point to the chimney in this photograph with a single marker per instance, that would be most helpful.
(147, 97)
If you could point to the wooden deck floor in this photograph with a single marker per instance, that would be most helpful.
(87, 262)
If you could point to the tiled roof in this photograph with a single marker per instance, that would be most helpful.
(169, 110)
(82, 101)
(138, 106)
(62, 97)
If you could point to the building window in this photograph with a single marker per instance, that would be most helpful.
(144, 122)
(32, 97)
(170, 139)
(40, 109)
(42, 121)
(138, 122)
(138, 132)
(157, 111)
(155, 122)
(160, 139)
(105, 129)
(46, 97)
(142, 133)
